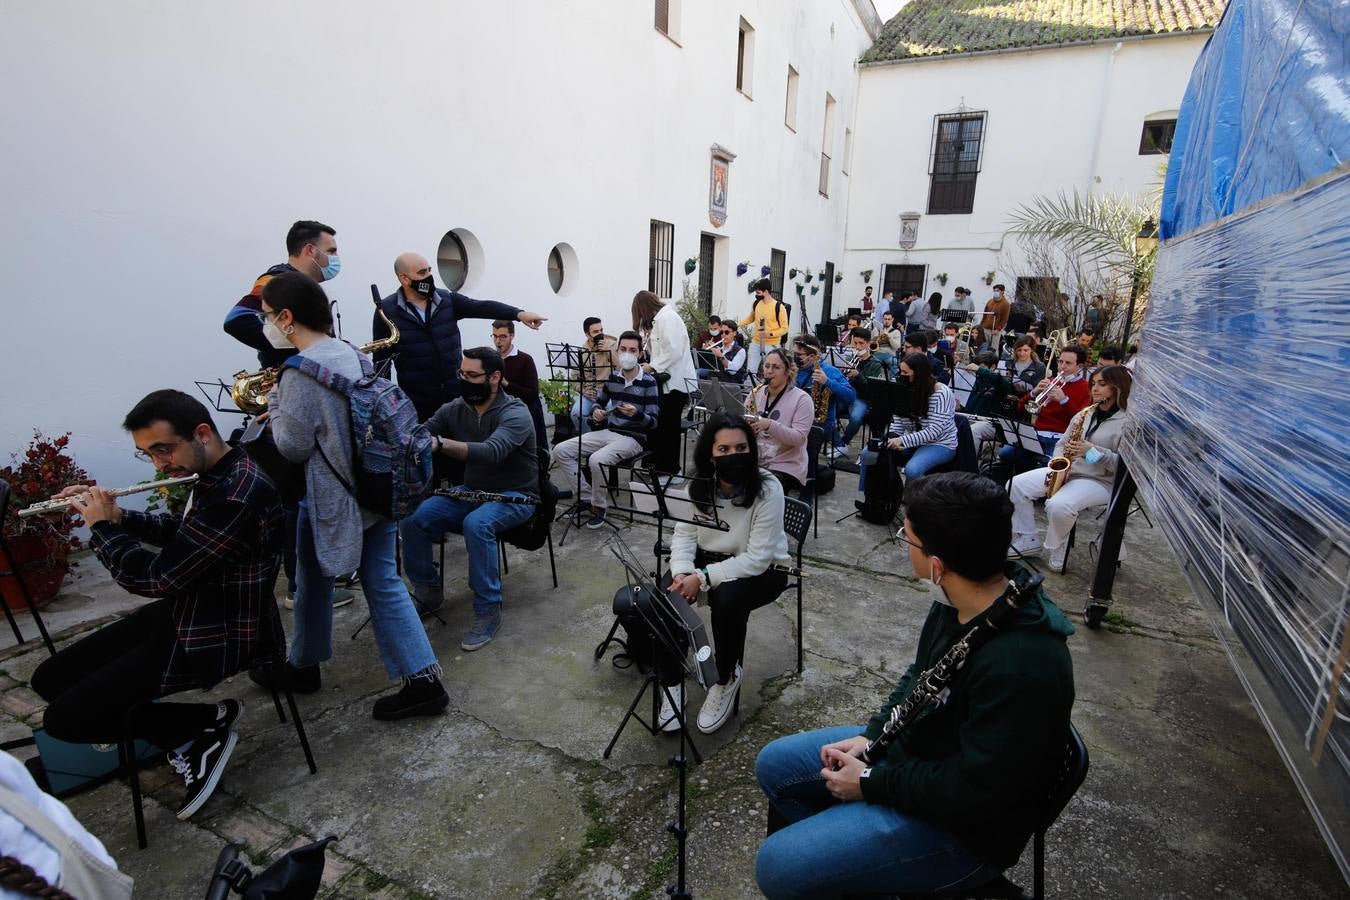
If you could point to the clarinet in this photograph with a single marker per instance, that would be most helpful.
(934, 680)
(482, 496)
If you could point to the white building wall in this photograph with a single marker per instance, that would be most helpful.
(152, 155)
(1060, 119)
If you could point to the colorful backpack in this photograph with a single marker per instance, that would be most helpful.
(392, 450)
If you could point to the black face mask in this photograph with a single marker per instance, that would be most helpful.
(422, 286)
(474, 392)
(734, 468)
(801, 362)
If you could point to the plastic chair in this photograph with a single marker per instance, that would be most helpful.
(797, 522)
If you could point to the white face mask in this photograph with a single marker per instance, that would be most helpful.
(275, 336)
(628, 361)
(935, 588)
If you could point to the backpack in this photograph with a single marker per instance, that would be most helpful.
(881, 494)
(533, 534)
(392, 450)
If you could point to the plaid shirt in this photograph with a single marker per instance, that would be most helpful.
(217, 568)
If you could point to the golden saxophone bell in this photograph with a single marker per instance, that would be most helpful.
(250, 389)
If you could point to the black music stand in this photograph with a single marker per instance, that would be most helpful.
(13, 563)
(666, 505)
(673, 629)
(567, 359)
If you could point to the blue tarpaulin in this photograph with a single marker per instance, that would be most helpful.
(1240, 436)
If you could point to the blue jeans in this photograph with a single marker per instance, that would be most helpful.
(399, 634)
(1018, 455)
(856, 416)
(581, 409)
(480, 523)
(831, 847)
(922, 460)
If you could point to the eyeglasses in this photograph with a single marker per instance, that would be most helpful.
(264, 316)
(158, 451)
(471, 376)
(900, 535)
(774, 367)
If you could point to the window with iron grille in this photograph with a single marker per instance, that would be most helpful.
(777, 266)
(707, 259)
(663, 16)
(660, 259)
(1157, 137)
(954, 162)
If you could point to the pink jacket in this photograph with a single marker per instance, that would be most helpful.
(783, 447)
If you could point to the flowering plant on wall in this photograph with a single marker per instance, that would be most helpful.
(989, 277)
(942, 279)
(866, 276)
(806, 273)
(792, 273)
(690, 265)
(815, 289)
(742, 267)
(839, 277)
(764, 271)
(42, 470)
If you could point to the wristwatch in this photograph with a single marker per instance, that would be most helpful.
(703, 581)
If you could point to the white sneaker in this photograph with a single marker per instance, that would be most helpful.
(1057, 557)
(717, 707)
(667, 720)
(1024, 545)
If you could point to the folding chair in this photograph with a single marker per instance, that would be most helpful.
(1071, 771)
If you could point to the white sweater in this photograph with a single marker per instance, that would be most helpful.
(668, 348)
(755, 537)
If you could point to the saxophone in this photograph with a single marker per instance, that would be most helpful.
(751, 409)
(820, 396)
(1059, 465)
(250, 389)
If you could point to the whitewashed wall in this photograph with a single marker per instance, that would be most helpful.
(153, 153)
(1059, 119)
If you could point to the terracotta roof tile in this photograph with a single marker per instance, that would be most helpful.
(937, 27)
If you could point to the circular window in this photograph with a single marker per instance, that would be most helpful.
(453, 261)
(555, 269)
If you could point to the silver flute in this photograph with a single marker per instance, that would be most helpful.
(61, 504)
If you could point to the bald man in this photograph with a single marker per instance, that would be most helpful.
(428, 351)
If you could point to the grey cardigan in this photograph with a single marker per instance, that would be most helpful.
(305, 415)
(1106, 439)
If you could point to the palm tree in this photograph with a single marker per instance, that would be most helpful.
(1113, 232)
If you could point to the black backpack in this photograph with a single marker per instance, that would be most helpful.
(881, 495)
(533, 534)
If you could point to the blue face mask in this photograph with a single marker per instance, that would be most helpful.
(334, 266)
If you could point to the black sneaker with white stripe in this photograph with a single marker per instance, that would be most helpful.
(202, 764)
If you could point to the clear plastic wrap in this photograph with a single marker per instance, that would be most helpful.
(1240, 434)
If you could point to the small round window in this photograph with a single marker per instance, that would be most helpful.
(452, 261)
(556, 272)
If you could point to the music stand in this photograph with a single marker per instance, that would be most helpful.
(841, 357)
(568, 359)
(667, 501)
(676, 627)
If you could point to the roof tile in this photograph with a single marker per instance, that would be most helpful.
(938, 27)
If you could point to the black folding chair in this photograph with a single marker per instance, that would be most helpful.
(1069, 775)
(797, 522)
(12, 571)
(126, 749)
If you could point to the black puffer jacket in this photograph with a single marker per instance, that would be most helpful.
(427, 356)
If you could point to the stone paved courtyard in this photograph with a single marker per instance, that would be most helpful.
(507, 794)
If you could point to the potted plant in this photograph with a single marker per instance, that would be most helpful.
(838, 277)
(807, 274)
(41, 545)
(942, 279)
(558, 401)
(866, 276)
(742, 267)
(989, 277)
(764, 271)
(170, 499)
(690, 265)
(792, 273)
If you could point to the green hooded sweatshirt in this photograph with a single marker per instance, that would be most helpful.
(979, 763)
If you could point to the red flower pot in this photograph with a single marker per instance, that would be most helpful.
(43, 561)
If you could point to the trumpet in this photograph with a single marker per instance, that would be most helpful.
(61, 504)
(1035, 404)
